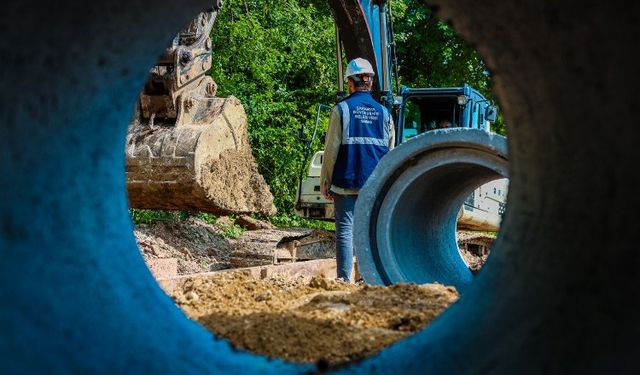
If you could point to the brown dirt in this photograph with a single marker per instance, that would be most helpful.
(475, 248)
(264, 246)
(198, 246)
(201, 247)
(310, 320)
(234, 183)
(250, 223)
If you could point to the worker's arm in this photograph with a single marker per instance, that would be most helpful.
(392, 134)
(331, 147)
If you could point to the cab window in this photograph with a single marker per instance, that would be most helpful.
(422, 114)
(412, 124)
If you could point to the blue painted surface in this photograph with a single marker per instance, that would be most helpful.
(76, 297)
(76, 294)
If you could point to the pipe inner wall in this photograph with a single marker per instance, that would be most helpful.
(557, 295)
(416, 230)
(405, 219)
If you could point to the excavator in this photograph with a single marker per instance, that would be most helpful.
(187, 149)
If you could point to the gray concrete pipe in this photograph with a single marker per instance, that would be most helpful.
(405, 218)
(557, 295)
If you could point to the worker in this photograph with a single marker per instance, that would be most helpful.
(360, 133)
(444, 124)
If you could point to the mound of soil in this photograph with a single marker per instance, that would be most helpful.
(198, 246)
(475, 248)
(234, 183)
(310, 320)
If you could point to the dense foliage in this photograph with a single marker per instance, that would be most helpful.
(430, 54)
(278, 58)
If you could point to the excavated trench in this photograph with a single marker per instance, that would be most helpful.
(556, 295)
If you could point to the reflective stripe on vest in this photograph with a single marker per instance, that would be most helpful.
(346, 124)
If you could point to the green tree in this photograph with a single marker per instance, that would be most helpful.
(277, 58)
(431, 54)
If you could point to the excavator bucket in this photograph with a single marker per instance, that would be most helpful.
(186, 148)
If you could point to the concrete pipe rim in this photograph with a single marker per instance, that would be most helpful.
(402, 175)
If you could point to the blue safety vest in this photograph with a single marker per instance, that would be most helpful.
(365, 139)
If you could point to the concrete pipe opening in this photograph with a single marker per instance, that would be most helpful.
(405, 227)
(558, 294)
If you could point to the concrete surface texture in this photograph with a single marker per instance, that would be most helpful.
(556, 296)
(407, 212)
(76, 294)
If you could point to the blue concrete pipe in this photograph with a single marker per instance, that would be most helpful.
(556, 296)
(405, 226)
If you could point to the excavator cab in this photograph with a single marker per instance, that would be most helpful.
(425, 109)
(310, 203)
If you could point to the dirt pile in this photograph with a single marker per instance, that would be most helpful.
(475, 248)
(201, 247)
(233, 183)
(310, 320)
(198, 246)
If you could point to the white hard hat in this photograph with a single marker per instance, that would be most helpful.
(359, 66)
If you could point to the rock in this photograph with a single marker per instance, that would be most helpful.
(250, 223)
(319, 282)
(192, 296)
(224, 221)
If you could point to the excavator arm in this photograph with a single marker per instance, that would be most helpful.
(184, 139)
(362, 32)
(188, 149)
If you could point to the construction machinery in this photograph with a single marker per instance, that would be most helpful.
(188, 149)
(436, 181)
